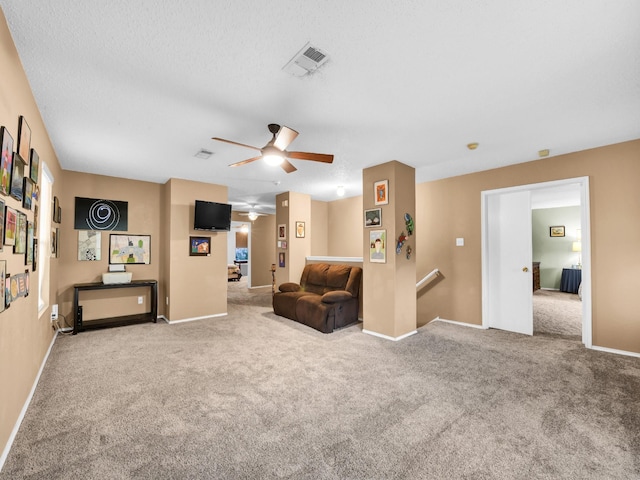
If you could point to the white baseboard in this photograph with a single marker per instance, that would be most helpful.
(173, 322)
(260, 286)
(617, 352)
(16, 427)
(462, 324)
(387, 337)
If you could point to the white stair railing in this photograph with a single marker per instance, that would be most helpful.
(428, 277)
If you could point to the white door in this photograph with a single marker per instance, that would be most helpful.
(509, 292)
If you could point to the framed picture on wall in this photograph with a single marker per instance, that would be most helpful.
(300, 230)
(6, 161)
(199, 246)
(373, 217)
(378, 246)
(381, 192)
(3, 273)
(34, 169)
(129, 249)
(557, 231)
(282, 231)
(24, 138)
(281, 262)
(17, 177)
(10, 223)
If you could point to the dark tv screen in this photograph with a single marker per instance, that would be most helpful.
(212, 216)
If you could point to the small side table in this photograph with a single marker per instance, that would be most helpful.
(570, 280)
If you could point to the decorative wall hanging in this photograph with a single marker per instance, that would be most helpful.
(21, 234)
(34, 169)
(89, 245)
(409, 250)
(10, 222)
(27, 193)
(7, 290)
(2, 209)
(34, 265)
(99, 214)
(6, 161)
(3, 290)
(24, 138)
(129, 249)
(381, 192)
(378, 246)
(28, 258)
(557, 231)
(54, 209)
(17, 177)
(300, 230)
(408, 222)
(281, 262)
(401, 239)
(199, 246)
(373, 217)
(282, 232)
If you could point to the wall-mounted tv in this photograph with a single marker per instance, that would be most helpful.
(212, 216)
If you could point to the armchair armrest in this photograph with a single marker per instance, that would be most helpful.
(289, 287)
(336, 296)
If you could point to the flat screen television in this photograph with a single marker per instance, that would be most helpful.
(212, 216)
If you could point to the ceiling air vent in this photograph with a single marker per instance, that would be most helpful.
(202, 153)
(306, 61)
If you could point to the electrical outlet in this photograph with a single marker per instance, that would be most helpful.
(139, 300)
(54, 312)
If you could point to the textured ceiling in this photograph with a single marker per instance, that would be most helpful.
(136, 88)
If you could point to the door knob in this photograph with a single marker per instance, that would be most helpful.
(525, 269)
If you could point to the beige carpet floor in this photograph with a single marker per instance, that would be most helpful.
(256, 396)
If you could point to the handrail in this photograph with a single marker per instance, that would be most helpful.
(428, 277)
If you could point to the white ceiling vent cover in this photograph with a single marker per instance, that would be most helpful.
(306, 61)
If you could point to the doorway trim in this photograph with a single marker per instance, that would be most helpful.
(585, 220)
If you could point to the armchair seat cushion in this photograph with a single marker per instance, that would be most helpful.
(325, 299)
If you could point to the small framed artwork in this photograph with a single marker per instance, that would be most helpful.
(373, 217)
(199, 246)
(89, 245)
(28, 193)
(557, 231)
(56, 207)
(34, 169)
(57, 242)
(1, 224)
(378, 246)
(35, 254)
(17, 177)
(300, 230)
(3, 274)
(10, 223)
(281, 262)
(21, 234)
(28, 258)
(381, 192)
(54, 243)
(282, 232)
(24, 137)
(6, 161)
(129, 249)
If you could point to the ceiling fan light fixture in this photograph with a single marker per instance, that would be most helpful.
(340, 191)
(252, 216)
(273, 160)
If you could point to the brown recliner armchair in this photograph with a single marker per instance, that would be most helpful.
(325, 299)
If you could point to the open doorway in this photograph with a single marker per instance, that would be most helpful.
(507, 264)
(238, 248)
(556, 253)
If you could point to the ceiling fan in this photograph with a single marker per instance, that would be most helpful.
(252, 214)
(275, 153)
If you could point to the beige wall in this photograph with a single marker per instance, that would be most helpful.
(196, 286)
(263, 247)
(24, 335)
(144, 201)
(450, 208)
(320, 232)
(346, 220)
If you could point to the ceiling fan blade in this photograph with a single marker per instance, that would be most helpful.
(235, 143)
(248, 160)
(288, 167)
(316, 157)
(284, 137)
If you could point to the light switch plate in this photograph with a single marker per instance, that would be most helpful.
(459, 242)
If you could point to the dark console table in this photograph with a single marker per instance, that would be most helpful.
(151, 316)
(570, 280)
